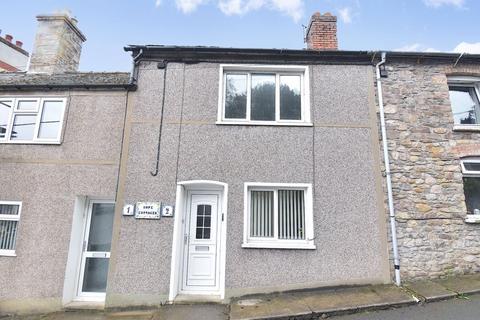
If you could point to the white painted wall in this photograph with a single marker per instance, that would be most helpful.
(13, 57)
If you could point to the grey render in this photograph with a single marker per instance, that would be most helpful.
(338, 155)
(47, 179)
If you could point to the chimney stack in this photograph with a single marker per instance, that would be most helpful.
(8, 37)
(322, 32)
(58, 44)
(19, 43)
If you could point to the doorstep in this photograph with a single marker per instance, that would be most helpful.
(85, 305)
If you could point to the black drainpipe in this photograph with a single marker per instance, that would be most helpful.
(161, 65)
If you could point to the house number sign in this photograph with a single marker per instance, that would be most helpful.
(147, 210)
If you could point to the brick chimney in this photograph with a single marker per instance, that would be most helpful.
(322, 32)
(58, 44)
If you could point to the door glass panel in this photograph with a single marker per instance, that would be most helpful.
(23, 127)
(50, 120)
(263, 97)
(5, 107)
(204, 221)
(100, 235)
(95, 277)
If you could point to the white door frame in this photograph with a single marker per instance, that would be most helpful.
(79, 295)
(176, 269)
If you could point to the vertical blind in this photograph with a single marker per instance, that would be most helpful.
(289, 213)
(8, 228)
(261, 209)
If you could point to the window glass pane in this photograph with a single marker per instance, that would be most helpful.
(5, 107)
(472, 166)
(261, 214)
(10, 209)
(50, 120)
(290, 98)
(100, 236)
(23, 127)
(27, 105)
(95, 275)
(263, 97)
(464, 105)
(291, 214)
(236, 96)
(471, 187)
(8, 234)
(204, 214)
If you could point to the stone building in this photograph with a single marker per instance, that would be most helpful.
(432, 113)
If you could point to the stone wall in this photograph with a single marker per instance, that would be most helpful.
(427, 181)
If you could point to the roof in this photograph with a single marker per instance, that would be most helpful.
(68, 80)
(254, 55)
(14, 47)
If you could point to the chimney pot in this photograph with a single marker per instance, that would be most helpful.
(8, 37)
(58, 44)
(19, 43)
(322, 32)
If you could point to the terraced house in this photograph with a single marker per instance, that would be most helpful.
(209, 173)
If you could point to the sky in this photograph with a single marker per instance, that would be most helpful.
(109, 25)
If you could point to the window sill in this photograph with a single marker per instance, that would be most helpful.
(284, 245)
(7, 253)
(266, 123)
(466, 127)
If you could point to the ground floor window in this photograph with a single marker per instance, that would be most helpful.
(9, 218)
(471, 184)
(278, 216)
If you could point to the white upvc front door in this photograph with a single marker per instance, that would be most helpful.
(201, 243)
(97, 240)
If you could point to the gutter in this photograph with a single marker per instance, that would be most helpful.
(391, 208)
(46, 87)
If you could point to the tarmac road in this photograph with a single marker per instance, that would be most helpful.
(467, 308)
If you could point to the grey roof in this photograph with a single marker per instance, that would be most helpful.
(68, 80)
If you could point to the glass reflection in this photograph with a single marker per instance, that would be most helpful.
(263, 97)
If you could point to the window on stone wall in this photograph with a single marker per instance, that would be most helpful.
(471, 184)
(464, 99)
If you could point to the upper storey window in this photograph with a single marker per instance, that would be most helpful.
(464, 98)
(264, 95)
(31, 120)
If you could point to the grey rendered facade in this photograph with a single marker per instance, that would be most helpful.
(157, 135)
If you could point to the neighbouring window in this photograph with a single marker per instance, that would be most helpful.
(464, 99)
(31, 120)
(278, 216)
(471, 184)
(264, 95)
(9, 217)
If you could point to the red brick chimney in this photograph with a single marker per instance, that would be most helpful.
(322, 32)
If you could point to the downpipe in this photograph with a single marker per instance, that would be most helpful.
(391, 209)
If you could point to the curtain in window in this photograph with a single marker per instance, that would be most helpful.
(291, 214)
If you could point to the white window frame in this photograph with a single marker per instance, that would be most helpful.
(278, 70)
(470, 173)
(275, 243)
(465, 81)
(37, 112)
(8, 217)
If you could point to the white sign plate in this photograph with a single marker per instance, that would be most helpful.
(128, 210)
(167, 210)
(147, 210)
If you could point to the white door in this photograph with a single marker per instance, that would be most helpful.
(92, 281)
(201, 259)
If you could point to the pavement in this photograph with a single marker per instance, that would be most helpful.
(363, 301)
